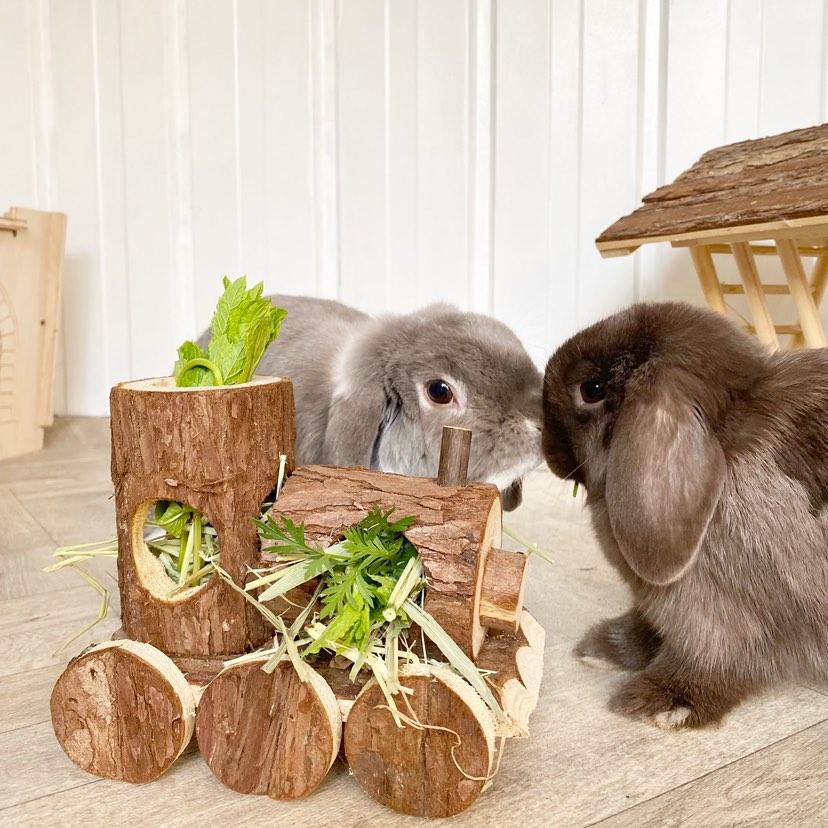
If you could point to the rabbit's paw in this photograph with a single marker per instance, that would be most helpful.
(648, 697)
(628, 642)
(671, 703)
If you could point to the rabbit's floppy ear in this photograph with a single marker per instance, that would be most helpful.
(356, 423)
(665, 474)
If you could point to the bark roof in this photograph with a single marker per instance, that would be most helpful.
(773, 179)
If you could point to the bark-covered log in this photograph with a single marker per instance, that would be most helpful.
(216, 449)
(455, 528)
(501, 600)
(437, 770)
(123, 710)
(266, 733)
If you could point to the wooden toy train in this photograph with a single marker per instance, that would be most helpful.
(126, 709)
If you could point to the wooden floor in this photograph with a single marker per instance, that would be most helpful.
(766, 766)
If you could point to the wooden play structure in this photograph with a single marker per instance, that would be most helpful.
(31, 266)
(767, 197)
(126, 709)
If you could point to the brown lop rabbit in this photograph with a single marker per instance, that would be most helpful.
(705, 460)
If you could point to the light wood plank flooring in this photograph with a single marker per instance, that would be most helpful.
(766, 766)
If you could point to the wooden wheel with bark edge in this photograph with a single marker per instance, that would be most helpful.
(436, 771)
(269, 733)
(123, 710)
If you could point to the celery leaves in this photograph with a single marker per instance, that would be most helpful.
(244, 324)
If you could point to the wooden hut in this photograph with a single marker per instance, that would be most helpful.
(767, 197)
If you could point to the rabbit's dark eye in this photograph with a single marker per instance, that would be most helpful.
(439, 392)
(593, 391)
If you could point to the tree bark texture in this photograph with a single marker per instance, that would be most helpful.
(436, 770)
(266, 733)
(216, 449)
(455, 528)
(123, 710)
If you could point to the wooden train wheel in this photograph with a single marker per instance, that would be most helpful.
(269, 733)
(123, 710)
(434, 771)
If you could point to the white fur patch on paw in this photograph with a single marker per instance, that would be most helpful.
(597, 663)
(671, 719)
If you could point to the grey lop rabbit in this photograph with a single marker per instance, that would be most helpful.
(376, 392)
(705, 460)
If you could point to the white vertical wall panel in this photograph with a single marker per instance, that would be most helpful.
(361, 125)
(400, 152)
(561, 301)
(212, 51)
(443, 33)
(288, 168)
(609, 135)
(522, 217)
(386, 152)
(158, 309)
(792, 52)
(18, 176)
(113, 239)
(73, 58)
(252, 138)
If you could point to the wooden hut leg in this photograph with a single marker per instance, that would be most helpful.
(803, 299)
(754, 294)
(709, 281)
(819, 281)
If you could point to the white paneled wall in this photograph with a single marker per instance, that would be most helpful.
(386, 153)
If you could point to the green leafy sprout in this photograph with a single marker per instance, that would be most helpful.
(370, 587)
(244, 324)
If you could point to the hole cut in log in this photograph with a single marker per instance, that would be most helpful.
(418, 771)
(270, 734)
(454, 530)
(216, 449)
(123, 710)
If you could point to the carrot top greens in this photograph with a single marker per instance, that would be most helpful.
(369, 592)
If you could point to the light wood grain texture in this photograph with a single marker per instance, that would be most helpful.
(784, 784)
(819, 280)
(501, 595)
(709, 281)
(753, 293)
(581, 764)
(801, 293)
(31, 265)
(24, 697)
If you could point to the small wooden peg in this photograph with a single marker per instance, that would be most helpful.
(454, 456)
